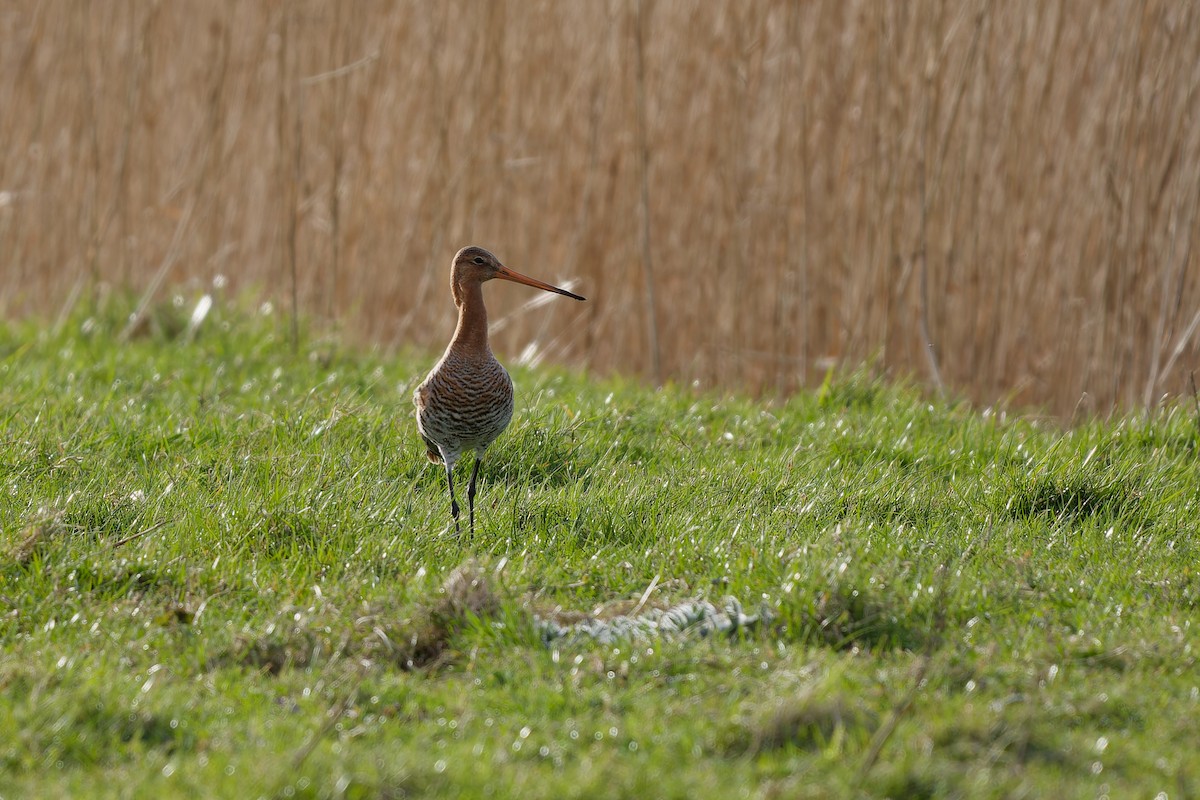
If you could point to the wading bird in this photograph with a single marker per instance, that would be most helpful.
(467, 399)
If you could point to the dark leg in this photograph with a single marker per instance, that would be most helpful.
(453, 502)
(471, 492)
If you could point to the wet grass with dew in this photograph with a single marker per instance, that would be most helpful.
(228, 570)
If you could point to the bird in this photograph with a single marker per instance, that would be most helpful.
(466, 401)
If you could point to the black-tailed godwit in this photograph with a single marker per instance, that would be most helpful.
(467, 399)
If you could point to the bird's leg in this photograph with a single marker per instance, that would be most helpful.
(453, 502)
(471, 491)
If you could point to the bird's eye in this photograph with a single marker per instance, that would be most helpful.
(478, 260)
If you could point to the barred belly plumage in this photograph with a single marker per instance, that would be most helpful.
(463, 406)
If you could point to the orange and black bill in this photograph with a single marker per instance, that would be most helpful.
(509, 275)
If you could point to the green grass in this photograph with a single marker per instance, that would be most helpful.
(225, 574)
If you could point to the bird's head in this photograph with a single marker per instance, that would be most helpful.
(476, 265)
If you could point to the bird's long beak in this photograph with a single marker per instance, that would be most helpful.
(509, 275)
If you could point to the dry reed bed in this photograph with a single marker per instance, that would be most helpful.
(999, 197)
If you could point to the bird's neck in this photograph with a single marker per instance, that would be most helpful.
(471, 335)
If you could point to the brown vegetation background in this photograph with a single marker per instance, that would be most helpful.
(999, 197)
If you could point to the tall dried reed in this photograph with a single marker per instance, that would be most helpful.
(1001, 198)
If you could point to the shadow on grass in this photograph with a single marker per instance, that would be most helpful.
(844, 617)
(808, 722)
(98, 516)
(285, 531)
(536, 456)
(1015, 743)
(889, 511)
(123, 582)
(1073, 496)
(93, 731)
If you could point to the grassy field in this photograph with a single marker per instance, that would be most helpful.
(228, 571)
